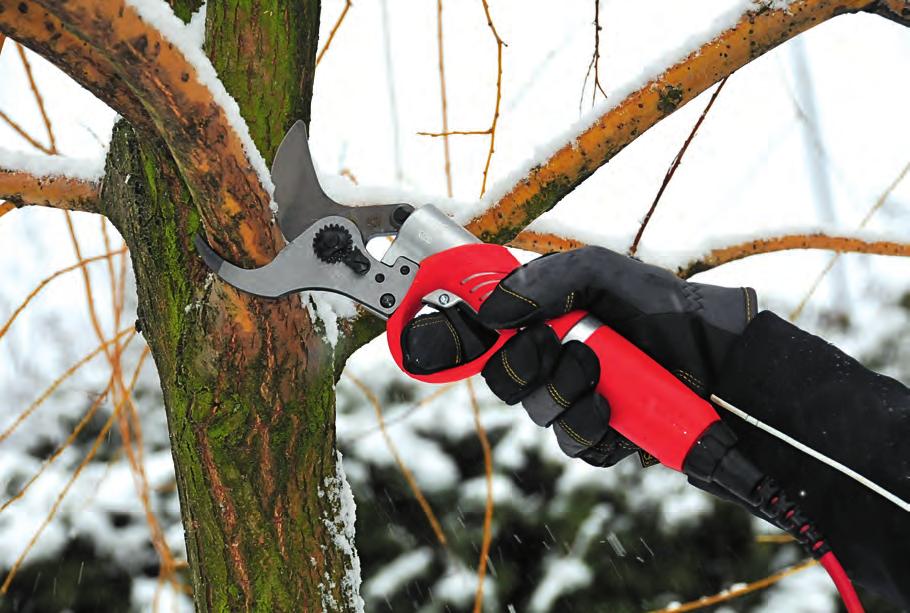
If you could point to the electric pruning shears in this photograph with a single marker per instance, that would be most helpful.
(434, 262)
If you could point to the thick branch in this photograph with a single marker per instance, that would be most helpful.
(200, 136)
(754, 34)
(24, 189)
(43, 33)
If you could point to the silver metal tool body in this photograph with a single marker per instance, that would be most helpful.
(327, 241)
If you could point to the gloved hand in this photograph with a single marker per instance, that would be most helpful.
(686, 327)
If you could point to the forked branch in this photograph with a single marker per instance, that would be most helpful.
(175, 87)
(756, 32)
(44, 33)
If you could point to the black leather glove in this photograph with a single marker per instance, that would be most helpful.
(687, 327)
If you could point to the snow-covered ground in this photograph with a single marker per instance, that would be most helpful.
(807, 136)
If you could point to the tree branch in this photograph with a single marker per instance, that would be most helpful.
(548, 243)
(213, 161)
(895, 10)
(25, 189)
(43, 33)
(754, 34)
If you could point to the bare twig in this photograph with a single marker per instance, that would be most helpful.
(673, 166)
(408, 476)
(325, 47)
(547, 183)
(488, 507)
(39, 100)
(47, 280)
(879, 202)
(596, 59)
(727, 595)
(443, 98)
(494, 123)
(102, 435)
(491, 131)
(59, 380)
(25, 135)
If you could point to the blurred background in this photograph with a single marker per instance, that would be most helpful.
(810, 136)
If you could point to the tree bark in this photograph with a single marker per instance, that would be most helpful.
(247, 383)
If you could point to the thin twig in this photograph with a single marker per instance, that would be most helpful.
(86, 418)
(38, 98)
(344, 12)
(47, 280)
(408, 476)
(488, 508)
(673, 166)
(880, 201)
(21, 132)
(492, 130)
(85, 461)
(727, 595)
(455, 133)
(596, 60)
(59, 380)
(443, 98)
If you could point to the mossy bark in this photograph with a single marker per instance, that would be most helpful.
(248, 383)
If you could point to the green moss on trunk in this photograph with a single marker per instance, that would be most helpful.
(248, 383)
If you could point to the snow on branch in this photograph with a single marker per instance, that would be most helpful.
(44, 33)
(159, 60)
(542, 242)
(613, 125)
(63, 183)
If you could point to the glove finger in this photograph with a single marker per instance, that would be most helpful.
(523, 364)
(612, 448)
(434, 342)
(575, 376)
(580, 427)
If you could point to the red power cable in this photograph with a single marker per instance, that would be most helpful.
(842, 582)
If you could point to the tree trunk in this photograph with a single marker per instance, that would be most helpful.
(248, 383)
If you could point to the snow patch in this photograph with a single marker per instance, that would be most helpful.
(195, 29)
(88, 169)
(341, 528)
(398, 573)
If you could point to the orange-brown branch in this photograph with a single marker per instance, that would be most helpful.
(199, 135)
(541, 242)
(328, 42)
(728, 595)
(23, 189)
(840, 244)
(41, 31)
(754, 34)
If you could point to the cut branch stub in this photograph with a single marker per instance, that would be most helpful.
(23, 189)
(196, 128)
(754, 34)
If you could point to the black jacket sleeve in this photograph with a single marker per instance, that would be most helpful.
(812, 391)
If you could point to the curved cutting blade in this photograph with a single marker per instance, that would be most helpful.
(301, 201)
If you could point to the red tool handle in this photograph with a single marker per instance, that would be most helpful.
(649, 406)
